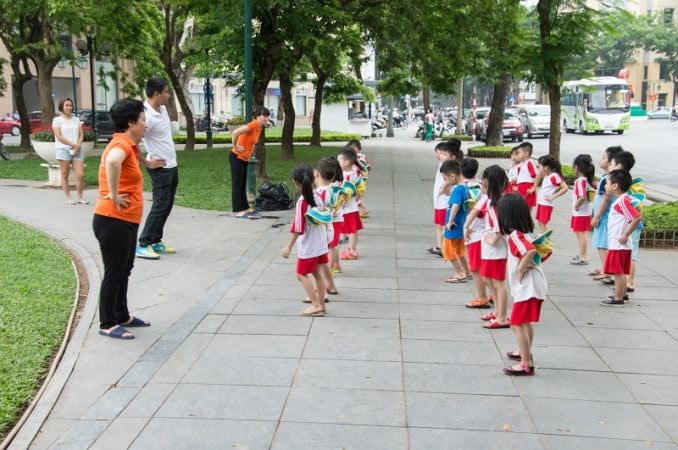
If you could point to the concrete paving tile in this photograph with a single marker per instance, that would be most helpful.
(593, 419)
(78, 396)
(345, 406)
(224, 402)
(442, 439)
(449, 313)
(48, 433)
(109, 406)
(120, 434)
(342, 308)
(349, 294)
(256, 345)
(271, 308)
(668, 307)
(443, 297)
(367, 349)
(480, 412)
(667, 322)
(148, 400)
(553, 442)
(666, 417)
(565, 357)
(636, 339)
(364, 282)
(182, 359)
(652, 362)
(368, 328)
(224, 306)
(210, 324)
(451, 352)
(81, 435)
(655, 389)
(286, 291)
(444, 331)
(431, 274)
(162, 433)
(295, 436)
(437, 284)
(242, 370)
(656, 293)
(457, 378)
(424, 262)
(346, 374)
(276, 325)
(574, 385)
(628, 320)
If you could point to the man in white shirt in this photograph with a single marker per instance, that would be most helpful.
(159, 145)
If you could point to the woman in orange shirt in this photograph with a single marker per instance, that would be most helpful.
(117, 215)
(244, 140)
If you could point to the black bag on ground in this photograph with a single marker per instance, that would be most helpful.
(273, 197)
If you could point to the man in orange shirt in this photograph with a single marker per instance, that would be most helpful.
(244, 140)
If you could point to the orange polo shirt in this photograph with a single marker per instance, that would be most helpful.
(248, 140)
(131, 182)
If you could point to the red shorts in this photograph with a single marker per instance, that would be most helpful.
(618, 262)
(352, 223)
(493, 268)
(526, 311)
(453, 249)
(580, 223)
(306, 266)
(511, 187)
(544, 213)
(473, 255)
(337, 231)
(439, 216)
(531, 198)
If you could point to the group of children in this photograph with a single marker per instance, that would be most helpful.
(331, 204)
(485, 229)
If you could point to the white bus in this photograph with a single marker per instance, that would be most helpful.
(596, 105)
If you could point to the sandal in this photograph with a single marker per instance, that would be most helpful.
(310, 313)
(609, 281)
(308, 300)
(595, 273)
(600, 277)
(456, 279)
(136, 322)
(514, 355)
(117, 333)
(334, 292)
(576, 261)
(494, 325)
(488, 316)
(523, 369)
(478, 302)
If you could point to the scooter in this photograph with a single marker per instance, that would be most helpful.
(674, 116)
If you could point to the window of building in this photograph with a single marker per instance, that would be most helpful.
(645, 72)
(300, 105)
(668, 15)
(663, 70)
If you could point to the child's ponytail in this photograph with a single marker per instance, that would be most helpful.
(496, 182)
(552, 163)
(304, 176)
(584, 164)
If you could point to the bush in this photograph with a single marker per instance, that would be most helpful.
(461, 137)
(568, 173)
(661, 216)
(236, 121)
(484, 151)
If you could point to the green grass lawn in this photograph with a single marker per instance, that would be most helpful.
(35, 303)
(204, 175)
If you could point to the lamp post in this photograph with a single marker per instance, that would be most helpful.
(62, 66)
(207, 89)
(251, 184)
(86, 48)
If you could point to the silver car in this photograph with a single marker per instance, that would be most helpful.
(536, 119)
(663, 112)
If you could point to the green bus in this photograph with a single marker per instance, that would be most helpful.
(596, 105)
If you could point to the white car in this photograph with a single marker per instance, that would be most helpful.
(536, 119)
(663, 112)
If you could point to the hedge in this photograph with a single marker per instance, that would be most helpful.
(661, 226)
(484, 151)
(272, 135)
(461, 137)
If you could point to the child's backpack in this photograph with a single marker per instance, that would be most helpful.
(360, 186)
(474, 194)
(637, 192)
(318, 216)
(544, 246)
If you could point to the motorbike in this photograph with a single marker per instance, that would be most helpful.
(674, 116)
(439, 129)
(201, 125)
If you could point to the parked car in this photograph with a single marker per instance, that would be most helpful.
(663, 112)
(512, 127)
(536, 119)
(13, 127)
(474, 119)
(104, 123)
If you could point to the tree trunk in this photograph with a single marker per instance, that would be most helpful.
(44, 70)
(426, 97)
(317, 108)
(185, 109)
(552, 74)
(554, 141)
(493, 133)
(20, 78)
(288, 126)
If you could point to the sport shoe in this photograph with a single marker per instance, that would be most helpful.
(336, 269)
(160, 247)
(612, 302)
(348, 254)
(146, 253)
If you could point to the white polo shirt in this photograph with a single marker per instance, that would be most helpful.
(158, 140)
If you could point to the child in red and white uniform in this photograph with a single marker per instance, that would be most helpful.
(622, 221)
(552, 187)
(493, 246)
(526, 279)
(527, 173)
(580, 222)
(512, 185)
(311, 240)
(364, 165)
(352, 222)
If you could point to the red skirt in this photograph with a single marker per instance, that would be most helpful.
(473, 255)
(493, 268)
(544, 213)
(618, 262)
(527, 311)
(439, 216)
(352, 223)
(511, 187)
(306, 266)
(531, 198)
(580, 223)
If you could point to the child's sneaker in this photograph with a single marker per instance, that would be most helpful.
(160, 247)
(336, 269)
(348, 254)
(146, 252)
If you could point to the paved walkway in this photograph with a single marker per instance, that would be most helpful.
(398, 362)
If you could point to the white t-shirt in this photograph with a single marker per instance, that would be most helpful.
(581, 186)
(478, 224)
(312, 239)
(533, 284)
(158, 140)
(352, 205)
(70, 129)
(526, 171)
(488, 251)
(549, 186)
(622, 213)
(324, 193)
(440, 200)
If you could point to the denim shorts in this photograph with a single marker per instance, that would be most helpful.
(64, 155)
(599, 237)
(635, 238)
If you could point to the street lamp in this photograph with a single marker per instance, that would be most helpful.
(87, 48)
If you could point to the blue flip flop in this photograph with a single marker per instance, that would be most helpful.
(117, 333)
(137, 322)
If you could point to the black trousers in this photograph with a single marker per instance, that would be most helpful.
(238, 183)
(117, 241)
(165, 182)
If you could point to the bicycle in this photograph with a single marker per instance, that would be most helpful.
(4, 154)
